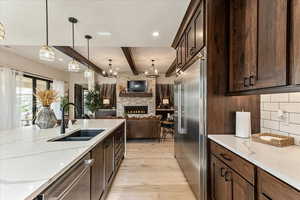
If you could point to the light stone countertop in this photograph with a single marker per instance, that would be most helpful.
(283, 163)
(29, 163)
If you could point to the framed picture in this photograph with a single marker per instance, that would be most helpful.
(106, 101)
(165, 101)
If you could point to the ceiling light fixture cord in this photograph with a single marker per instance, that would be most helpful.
(47, 41)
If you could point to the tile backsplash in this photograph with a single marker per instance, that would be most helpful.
(280, 113)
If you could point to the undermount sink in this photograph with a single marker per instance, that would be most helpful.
(80, 135)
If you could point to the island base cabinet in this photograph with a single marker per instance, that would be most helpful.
(270, 188)
(97, 175)
(226, 184)
(108, 146)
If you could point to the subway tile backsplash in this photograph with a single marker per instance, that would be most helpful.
(280, 114)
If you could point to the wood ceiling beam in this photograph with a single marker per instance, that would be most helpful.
(172, 68)
(69, 51)
(185, 22)
(128, 54)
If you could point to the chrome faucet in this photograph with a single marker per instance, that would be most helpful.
(62, 126)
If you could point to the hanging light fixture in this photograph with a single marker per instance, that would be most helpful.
(73, 65)
(2, 32)
(111, 73)
(152, 72)
(88, 73)
(46, 53)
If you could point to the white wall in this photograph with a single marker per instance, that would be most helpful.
(289, 124)
(11, 60)
(165, 80)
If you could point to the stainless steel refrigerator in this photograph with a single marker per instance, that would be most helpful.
(190, 129)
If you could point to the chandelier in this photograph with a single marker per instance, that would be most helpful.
(73, 65)
(46, 53)
(88, 73)
(152, 72)
(111, 73)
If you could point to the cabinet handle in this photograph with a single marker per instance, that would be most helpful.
(266, 196)
(225, 157)
(223, 172)
(252, 80)
(246, 81)
(192, 51)
(228, 176)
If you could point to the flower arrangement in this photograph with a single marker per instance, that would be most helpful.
(46, 97)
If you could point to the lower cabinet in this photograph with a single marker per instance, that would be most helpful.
(270, 188)
(109, 158)
(227, 184)
(97, 175)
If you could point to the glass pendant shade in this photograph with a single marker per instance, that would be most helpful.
(46, 53)
(2, 32)
(88, 73)
(73, 66)
(152, 72)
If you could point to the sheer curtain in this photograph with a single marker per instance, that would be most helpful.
(10, 98)
(59, 87)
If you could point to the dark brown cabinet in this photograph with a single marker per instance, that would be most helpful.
(226, 184)
(295, 45)
(181, 53)
(258, 44)
(270, 188)
(199, 29)
(190, 41)
(109, 158)
(97, 175)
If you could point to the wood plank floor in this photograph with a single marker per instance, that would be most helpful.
(150, 172)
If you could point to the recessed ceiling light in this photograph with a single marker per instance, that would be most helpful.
(155, 34)
(60, 59)
(104, 33)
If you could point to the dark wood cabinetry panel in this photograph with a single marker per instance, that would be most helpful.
(199, 28)
(271, 188)
(295, 44)
(190, 41)
(109, 158)
(272, 43)
(243, 43)
(97, 175)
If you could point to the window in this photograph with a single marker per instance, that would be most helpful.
(29, 103)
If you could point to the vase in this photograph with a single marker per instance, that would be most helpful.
(46, 118)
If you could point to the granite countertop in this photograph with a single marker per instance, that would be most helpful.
(29, 164)
(282, 163)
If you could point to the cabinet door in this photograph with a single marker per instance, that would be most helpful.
(242, 43)
(97, 175)
(109, 158)
(295, 44)
(220, 189)
(272, 44)
(190, 41)
(199, 28)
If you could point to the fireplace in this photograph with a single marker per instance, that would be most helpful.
(136, 109)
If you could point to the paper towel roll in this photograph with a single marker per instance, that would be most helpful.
(243, 124)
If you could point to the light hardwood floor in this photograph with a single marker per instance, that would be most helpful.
(150, 172)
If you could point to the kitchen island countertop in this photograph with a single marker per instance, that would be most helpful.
(29, 163)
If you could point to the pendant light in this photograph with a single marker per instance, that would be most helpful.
(152, 72)
(88, 73)
(2, 32)
(46, 53)
(73, 65)
(111, 73)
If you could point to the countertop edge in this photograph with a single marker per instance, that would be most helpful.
(54, 178)
(288, 180)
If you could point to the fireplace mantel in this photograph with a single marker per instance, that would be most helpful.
(136, 94)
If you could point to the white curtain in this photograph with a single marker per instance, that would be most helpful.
(59, 87)
(10, 101)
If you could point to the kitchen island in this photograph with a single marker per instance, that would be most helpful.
(29, 163)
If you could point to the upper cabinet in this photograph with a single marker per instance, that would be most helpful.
(192, 40)
(295, 44)
(258, 44)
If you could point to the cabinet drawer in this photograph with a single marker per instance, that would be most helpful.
(243, 167)
(270, 188)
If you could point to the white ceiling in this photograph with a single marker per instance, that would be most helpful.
(131, 22)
